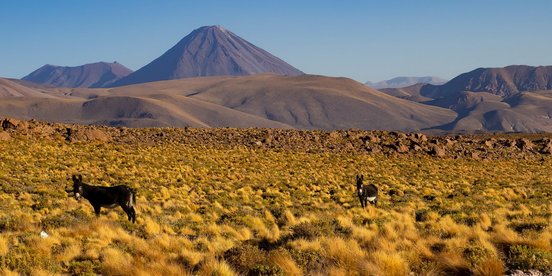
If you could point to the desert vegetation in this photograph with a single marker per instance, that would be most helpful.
(268, 202)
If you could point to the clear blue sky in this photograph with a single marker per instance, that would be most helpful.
(363, 40)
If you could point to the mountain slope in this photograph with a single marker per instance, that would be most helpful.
(9, 88)
(210, 51)
(491, 99)
(411, 92)
(503, 82)
(89, 75)
(400, 82)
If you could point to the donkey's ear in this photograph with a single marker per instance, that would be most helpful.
(74, 177)
(80, 177)
(362, 176)
(357, 177)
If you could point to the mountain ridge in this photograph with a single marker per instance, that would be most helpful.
(501, 81)
(91, 75)
(515, 98)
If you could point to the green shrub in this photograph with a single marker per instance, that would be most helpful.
(324, 227)
(265, 270)
(524, 257)
(308, 260)
(244, 257)
(83, 267)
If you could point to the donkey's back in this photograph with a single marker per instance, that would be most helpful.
(113, 196)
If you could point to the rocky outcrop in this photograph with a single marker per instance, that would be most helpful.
(316, 141)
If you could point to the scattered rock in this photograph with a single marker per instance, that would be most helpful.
(9, 123)
(508, 143)
(418, 137)
(475, 155)
(267, 140)
(517, 272)
(373, 149)
(372, 139)
(490, 143)
(415, 147)
(42, 130)
(85, 135)
(524, 144)
(335, 135)
(547, 149)
(399, 147)
(449, 142)
(437, 151)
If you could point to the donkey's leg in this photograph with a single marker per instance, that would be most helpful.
(97, 209)
(133, 214)
(361, 201)
(128, 210)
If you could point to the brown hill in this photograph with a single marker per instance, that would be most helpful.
(308, 102)
(305, 102)
(411, 92)
(92, 75)
(210, 51)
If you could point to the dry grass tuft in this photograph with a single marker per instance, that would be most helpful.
(490, 267)
(115, 262)
(216, 267)
(344, 253)
(7, 272)
(388, 264)
(285, 263)
(4, 245)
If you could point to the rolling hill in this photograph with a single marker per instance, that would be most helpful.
(303, 102)
(210, 51)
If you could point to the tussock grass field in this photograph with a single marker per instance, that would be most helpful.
(212, 209)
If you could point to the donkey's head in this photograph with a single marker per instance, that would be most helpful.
(359, 181)
(77, 186)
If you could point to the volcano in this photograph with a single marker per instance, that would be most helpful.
(210, 51)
